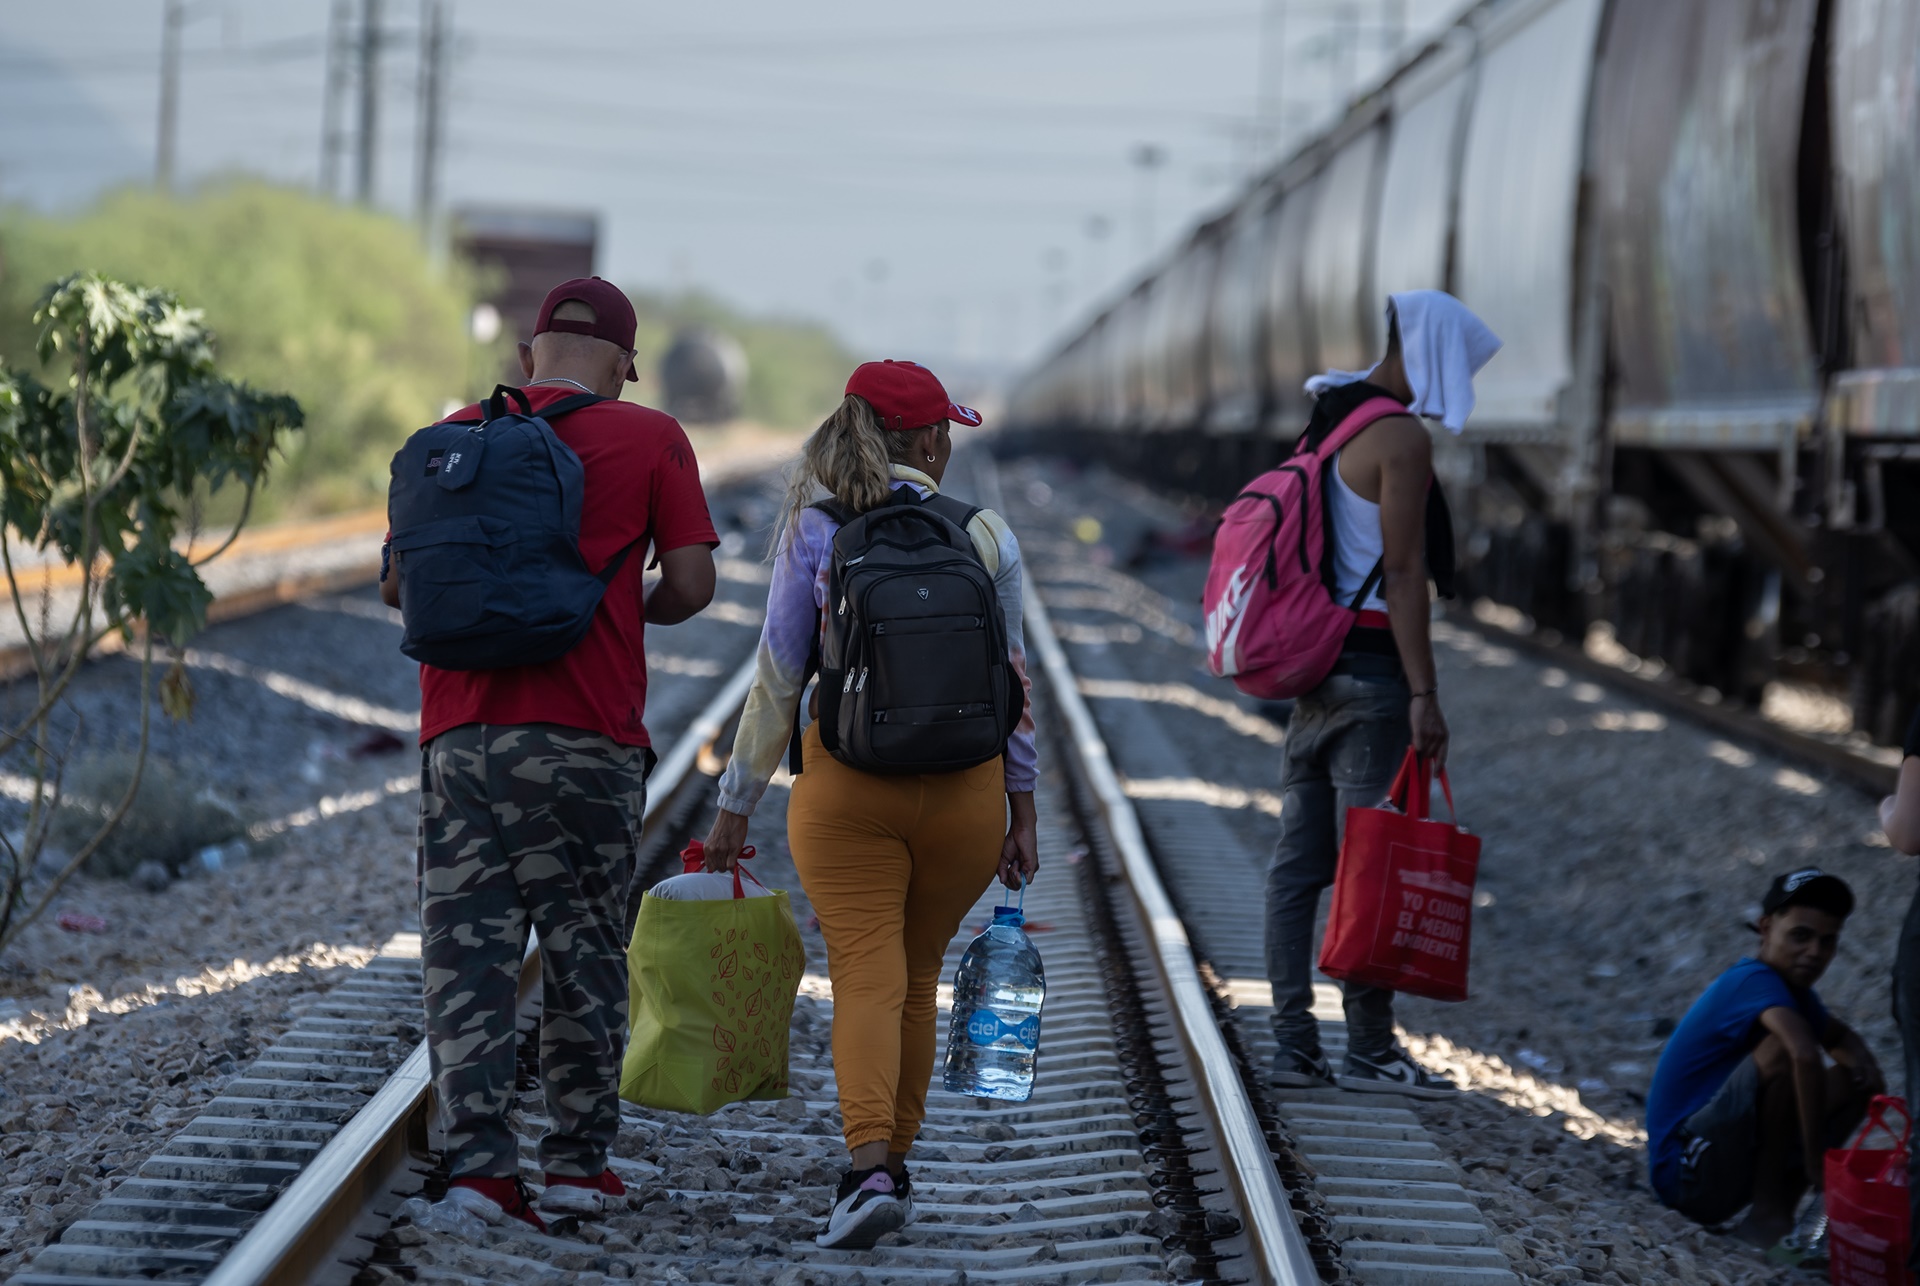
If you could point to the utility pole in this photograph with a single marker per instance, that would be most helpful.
(1097, 227)
(1349, 53)
(433, 56)
(1147, 158)
(1271, 105)
(172, 18)
(1393, 27)
(333, 101)
(369, 140)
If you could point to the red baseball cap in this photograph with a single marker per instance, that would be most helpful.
(906, 395)
(613, 318)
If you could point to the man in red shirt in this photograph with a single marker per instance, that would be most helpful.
(532, 786)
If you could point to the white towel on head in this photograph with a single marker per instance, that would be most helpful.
(1443, 345)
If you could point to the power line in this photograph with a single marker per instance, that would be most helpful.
(289, 49)
(786, 44)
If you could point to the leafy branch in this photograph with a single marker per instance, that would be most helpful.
(98, 469)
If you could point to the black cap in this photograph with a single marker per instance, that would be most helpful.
(1812, 887)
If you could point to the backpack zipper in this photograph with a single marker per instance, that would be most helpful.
(862, 685)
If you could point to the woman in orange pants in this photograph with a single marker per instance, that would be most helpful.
(891, 863)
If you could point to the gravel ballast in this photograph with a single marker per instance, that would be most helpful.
(305, 724)
(1625, 851)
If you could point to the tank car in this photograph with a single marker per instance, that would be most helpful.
(1695, 223)
(702, 376)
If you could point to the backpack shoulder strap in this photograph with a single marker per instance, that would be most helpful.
(957, 512)
(614, 564)
(835, 510)
(1376, 408)
(566, 405)
(796, 754)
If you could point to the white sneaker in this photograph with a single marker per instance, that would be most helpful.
(865, 1209)
(903, 1193)
(1394, 1074)
(510, 1201)
(595, 1196)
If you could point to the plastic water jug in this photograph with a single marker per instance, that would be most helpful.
(997, 993)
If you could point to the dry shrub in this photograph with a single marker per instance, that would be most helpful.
(171, 818)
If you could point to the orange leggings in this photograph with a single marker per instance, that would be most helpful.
(891, 865)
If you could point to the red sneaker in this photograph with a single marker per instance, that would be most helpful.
(495, 1200)
(568, 1195)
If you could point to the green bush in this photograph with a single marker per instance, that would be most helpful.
(343, 308)
(170, 820)
(338, 306)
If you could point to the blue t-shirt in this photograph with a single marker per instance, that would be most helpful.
(1721, 1029)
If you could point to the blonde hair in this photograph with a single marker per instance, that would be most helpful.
(849, 457)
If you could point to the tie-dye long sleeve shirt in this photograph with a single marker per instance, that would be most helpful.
(796, 604)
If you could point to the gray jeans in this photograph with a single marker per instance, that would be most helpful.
(1344, 743)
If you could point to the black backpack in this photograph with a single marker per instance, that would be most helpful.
(486, 526)
(914, 676)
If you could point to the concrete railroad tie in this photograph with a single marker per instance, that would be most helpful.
(188, 1203)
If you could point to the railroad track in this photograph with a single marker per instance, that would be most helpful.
(1150, 1152)
(1872, 768)
(1142, 1156)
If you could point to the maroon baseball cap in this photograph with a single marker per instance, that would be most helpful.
(613, 318)
(905, 395)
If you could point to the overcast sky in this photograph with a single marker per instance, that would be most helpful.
(928, 179)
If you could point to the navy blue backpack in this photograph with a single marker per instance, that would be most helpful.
(486, 536)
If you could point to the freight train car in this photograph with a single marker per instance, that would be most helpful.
(1695, 223)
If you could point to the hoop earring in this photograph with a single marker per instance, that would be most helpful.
(931, 460)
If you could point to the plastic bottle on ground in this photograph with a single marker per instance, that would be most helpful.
(994, 1038)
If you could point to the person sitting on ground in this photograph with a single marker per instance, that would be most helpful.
(1900, 818)
(1743, 1106)
(533, 786)
(890, 863)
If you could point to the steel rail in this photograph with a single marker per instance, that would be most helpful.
(1279, 1252)
(301, 1232)
(1868, 774)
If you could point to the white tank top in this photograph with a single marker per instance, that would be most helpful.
(1357, 545)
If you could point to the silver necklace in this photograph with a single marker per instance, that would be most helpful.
(561, 379)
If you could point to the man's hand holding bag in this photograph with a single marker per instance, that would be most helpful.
(1403, 896)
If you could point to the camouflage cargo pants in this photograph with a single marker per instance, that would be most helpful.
(527, 825)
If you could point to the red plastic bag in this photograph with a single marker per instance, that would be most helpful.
(1867, 1213)
(1403, 896)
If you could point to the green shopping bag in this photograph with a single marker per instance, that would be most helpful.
(710, 989)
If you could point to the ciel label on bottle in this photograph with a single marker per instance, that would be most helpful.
(988, 1028)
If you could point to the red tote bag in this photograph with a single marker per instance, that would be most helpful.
(1867, 1213)
(1403, 895)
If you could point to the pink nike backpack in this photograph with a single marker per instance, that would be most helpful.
(1273, 626)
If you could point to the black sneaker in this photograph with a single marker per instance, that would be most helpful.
(1298, 1070)
(1394, 1074)
(865, 1208)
